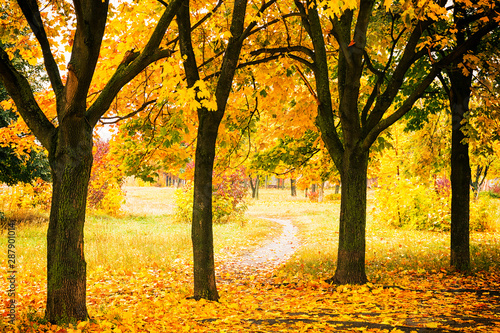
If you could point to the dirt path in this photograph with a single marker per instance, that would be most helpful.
(264, 260)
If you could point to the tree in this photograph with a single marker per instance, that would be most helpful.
(68, 137)
(459, 92)
(209, 119)
(459, 96)
(370, 73)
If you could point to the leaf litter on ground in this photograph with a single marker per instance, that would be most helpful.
(154, 297)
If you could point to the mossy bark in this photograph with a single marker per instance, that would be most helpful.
(352, 244)
(71, 163)
(201, 229)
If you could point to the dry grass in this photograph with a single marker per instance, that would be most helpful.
(145, 236)
(388, 251)
(142, 201)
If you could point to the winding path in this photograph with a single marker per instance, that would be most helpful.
(267, 258)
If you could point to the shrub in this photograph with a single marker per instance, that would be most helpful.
(408, 204)
(228, 198)
(26, 203)
(332, 197)
(313, 196)
(483, 214)
(26, 196)
(442, 186)
(105, 193)
(494, 191)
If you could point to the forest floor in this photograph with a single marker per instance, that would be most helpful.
(264, 260)
(432, 300)
(270, 274)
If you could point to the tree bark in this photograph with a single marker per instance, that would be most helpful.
(255, 187)
(460, 171)
(321, 191)
(201, 228)
(459, 96)
(209, 121)
(351, 251)
(293, 187)
(71, 164)
(477, 181)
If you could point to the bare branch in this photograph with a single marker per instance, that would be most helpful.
(287, 49)
(308, 85)
(116, 119)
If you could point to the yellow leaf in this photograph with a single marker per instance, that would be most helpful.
(81, 325)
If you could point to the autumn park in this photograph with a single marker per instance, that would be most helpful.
(250, 166)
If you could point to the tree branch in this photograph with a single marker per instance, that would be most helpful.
(20, 91)
(396, 80)
(457, 52)
(308, 85)
(127, 70)
(32, 14)
(287, 49)
(116, 119)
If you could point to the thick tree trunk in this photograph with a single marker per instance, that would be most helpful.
(71, 164)
(201, 232)
(351, 251)
(460, 172)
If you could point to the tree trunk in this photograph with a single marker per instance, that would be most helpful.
(351, 251)
(201, 232)
(257, 184)
(460, 171)
(321, 191)
(293, 187)
(459, 96)
(255, 187)
(252, 186)
(71, 164)
(478, 181)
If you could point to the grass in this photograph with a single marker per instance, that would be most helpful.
(139, 265)
(388, 251)
(145, 235)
